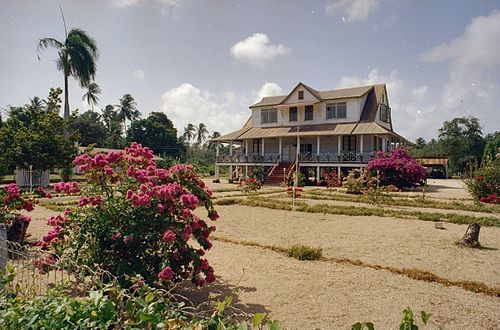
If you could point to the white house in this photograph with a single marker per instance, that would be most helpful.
(339, 129)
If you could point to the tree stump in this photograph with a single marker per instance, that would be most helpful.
(471, 236)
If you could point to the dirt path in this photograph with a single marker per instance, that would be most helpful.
(320, 295)
(401, 243)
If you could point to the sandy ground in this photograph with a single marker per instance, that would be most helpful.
(321, 295)
(325, 295)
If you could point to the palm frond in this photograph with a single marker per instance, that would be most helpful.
(45, 43)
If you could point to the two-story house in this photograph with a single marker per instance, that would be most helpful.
(312, 131)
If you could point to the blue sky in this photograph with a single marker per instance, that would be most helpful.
(207, 61)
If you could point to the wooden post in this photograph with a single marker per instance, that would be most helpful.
(280, 147)
(339, 145)
(262, 147)
(246, 148)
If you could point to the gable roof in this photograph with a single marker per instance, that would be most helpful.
(332, 94)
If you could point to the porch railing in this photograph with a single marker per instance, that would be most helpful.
(324, 157)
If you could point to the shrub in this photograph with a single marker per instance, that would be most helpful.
(356, 181)
(396, 168)
(13, 200)
(303, 252)
(250, 185)
(136, 220)
(332, 180)
(294, 193)
(484, 186)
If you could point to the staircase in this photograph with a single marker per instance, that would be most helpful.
(276, 178)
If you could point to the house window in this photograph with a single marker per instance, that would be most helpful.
(309, 112)
(257, 146)
(385, 113)
(336, 110)
(349, 143)
(301, 95)
(292, 114)
(268, 116)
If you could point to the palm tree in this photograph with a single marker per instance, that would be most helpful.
(189, 132)
(201, 133)
(127, 109)
(211, 145)
(90, 95)
(77, 58)
(109, 115)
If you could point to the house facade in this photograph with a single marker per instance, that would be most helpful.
(311, 131)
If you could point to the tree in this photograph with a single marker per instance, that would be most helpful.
(189, 132)
(201, 133)
(77, 58)
(491, 146)
(88, 128)
(90, 95)
(157, 133)
(127, 109)
(462, 141)
(211, 145)
(420, 143)
(35, 136)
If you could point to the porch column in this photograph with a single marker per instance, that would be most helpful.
(339, 145)
(384, 145)
(231, 172)
(280, 142)
(361, 144)
(217, 145)
(230, 148)
(246, 148)
(298, 145)
(262, 146)
(318, 143)
(318, 174)
(246, 171)
(216, 172)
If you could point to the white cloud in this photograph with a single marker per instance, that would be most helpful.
(256, 50)
(139, 74)
(420, 91)
(165, 5)
(268, 89)
(353, 10)
(473, 85)
(188, 104)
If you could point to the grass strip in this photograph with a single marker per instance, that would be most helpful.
(412, 273)
(360, 211)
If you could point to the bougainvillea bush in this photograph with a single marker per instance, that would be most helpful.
(12, 201)
(396, 168)
(136, 220)
(485, 184)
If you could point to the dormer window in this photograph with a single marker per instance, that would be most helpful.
(336, 110)
(308, 114)
(301, 95)
(268, 116)
(385, 113)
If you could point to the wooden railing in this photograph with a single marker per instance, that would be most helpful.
(325, 157)
(275, 164)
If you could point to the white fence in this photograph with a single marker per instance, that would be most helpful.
(32, 178)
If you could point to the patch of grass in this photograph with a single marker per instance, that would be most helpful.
(255, 202)
(303, 252)
(413, 273)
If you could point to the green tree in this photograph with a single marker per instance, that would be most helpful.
(201, 133)
(127, 109)
(157, 133)
(491, 146)
(189, 132)
(77, 58)
(211, 145)
(462, 141)
(35, 136)
(91, 94)
(88, 128)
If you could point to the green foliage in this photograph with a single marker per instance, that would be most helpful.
(158, 134)
(34, 135)
(302, 252)
(356, 182)
(491, 146)
(408, 321)
(462, 141)
(88, 128)
(378, 195)
(484, 184)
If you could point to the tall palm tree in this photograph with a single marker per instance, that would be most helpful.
(127, 109)
(201, 133)
(211, 145)
(90, 95)
(189, 132)
(109, 115)
(77, 58)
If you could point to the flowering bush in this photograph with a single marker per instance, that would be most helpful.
(136, 219)
(332, 180)
(12, 200)
(357, 181)
(291, 191)
(485, 184)
(396, 168)
(250, 184)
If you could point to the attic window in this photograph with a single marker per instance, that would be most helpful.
(301, 95)
(385, 113)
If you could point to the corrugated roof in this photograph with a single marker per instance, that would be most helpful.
(323, 95)
(231, 136)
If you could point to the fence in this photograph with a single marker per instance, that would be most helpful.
(32, 178)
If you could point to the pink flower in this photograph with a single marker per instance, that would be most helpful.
(108, 170)
(166, 274)
(128, 239)
(168, 236)
(24, 218)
